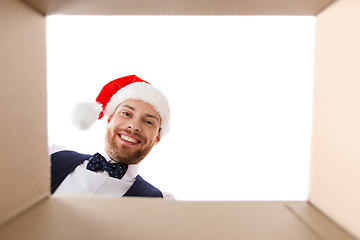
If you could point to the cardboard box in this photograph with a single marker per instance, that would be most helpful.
(27, 210)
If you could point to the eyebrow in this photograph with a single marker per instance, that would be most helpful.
(151, 116)
(146, 115)
(132, 108)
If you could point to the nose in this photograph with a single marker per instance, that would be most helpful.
(134, 126)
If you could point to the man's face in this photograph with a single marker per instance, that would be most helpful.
(132, 131)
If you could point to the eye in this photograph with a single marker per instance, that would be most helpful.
(149, 123)
(127, 114)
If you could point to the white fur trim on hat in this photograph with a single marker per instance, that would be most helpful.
(85, 114)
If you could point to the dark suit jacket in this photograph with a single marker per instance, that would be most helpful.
(64, 162)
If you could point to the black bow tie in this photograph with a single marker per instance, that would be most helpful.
(98, 162)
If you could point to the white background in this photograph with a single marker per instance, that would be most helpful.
(240, 91)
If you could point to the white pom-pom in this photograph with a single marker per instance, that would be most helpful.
(85, 114)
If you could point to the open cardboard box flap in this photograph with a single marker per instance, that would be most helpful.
(140, 218)
(27, 211)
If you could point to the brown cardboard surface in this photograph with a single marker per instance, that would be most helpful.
(335, 180)
(335, 156)
(141, 218)
(322, 226)
(180, 7)
(24, 170)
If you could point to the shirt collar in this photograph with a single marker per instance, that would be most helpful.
(132, 170)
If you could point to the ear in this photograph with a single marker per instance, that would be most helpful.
(158, 138)
(109, 118)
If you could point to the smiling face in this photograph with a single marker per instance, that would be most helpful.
(132, 131)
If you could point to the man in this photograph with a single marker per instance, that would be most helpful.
(138, 116)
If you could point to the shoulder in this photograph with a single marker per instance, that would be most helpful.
(68, 156)
(63, 162)
(66, 160)
(142, 188)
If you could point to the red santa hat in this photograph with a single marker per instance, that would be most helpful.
(85, 114)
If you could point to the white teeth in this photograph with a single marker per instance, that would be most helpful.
(129, 139)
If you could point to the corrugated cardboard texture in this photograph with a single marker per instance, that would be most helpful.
(180, 7)
(24, 170)
(335, 157)
(139, 218)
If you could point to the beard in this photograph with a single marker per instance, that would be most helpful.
(122, 153)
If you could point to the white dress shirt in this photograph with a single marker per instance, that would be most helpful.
(83, 182)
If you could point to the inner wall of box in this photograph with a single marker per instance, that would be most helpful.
(334, 186)
(334, 178)
(25, 166)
